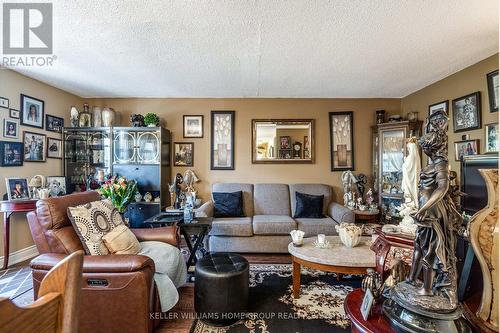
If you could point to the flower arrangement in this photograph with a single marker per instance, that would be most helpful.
(151, 119)
(120, 191)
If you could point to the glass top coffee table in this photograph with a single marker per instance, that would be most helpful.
(336, 258)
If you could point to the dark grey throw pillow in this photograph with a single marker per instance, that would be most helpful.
(228, 204)
(308, 205)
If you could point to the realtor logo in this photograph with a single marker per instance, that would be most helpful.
(27, 28)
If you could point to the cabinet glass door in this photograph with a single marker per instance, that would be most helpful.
(392, 151)
(124, 147)
(148, 148)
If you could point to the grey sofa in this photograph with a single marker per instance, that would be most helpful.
(268, 220)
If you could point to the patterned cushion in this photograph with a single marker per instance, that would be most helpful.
(92, 221)
(121, 240)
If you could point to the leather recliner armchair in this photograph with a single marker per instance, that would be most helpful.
(118, 291)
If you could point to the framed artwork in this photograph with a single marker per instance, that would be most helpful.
(491, 138)
(183, 154)
(366, 306)
(467, 112)
(439, 106)
(32, 111)
(465, 148)
(11, 153)
(341, 141)
(54, 148)
(4, 102)
(11, 128)
(192, 126)
(56, 186)
(285, 154)
(285, 142)
(53, 123)
(34, 147)
(492, 79)
(222, 140)
(17, 188)
(13, 113)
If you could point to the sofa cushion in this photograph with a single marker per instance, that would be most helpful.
(247, 190)
(232, 226)
(308, 205)
(228, 204)
(273, 224)
(341, 214)
(121, 240)
(313, 227)
(271, 199)
(314, 189)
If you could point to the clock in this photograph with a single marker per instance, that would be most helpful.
(297, 150)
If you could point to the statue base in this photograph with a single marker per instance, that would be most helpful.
(404, 320)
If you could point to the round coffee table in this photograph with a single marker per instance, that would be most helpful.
(337, 258)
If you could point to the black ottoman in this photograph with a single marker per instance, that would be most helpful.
(221, 288)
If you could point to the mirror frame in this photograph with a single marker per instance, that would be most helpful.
(283, 161)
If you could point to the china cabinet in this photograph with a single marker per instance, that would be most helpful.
(140, 153)
(389, 151)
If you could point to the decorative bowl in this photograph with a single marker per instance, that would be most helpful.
(350, 234)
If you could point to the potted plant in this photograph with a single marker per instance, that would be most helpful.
(151, 120)
(120, 191)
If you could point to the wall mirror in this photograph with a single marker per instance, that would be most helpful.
(282, 141)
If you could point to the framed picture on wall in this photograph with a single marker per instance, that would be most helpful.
(492, 79)
(491, 138)
(13, 113)
(54, 148)
(11, 128)
(222, 140)
(32, 111)
(34, 147)
(11, 153)
(467, 112)
(56, 186)
(4, 102)
(438, 106)
(192, 126)
(53, 123)
(466, 148)
(183, 154)
(17, 188)
(341, 141)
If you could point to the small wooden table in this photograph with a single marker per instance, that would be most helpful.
(337, 258)
(8, 208)
(377, 321)
(366, 216)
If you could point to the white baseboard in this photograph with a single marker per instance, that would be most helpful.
(21, 255)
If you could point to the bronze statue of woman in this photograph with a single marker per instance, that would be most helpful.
(437, 217)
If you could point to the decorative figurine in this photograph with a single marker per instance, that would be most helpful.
(138, 197)
(74, 116)
(373, 282)
(137, 120)
(179, 195)
(189, 179)
(360, 183)
(171, 191)
(369, 197)
(347, 180)
(148, 197)
(157, 199)
(431, 305)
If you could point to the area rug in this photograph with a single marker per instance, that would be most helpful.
(272, 308)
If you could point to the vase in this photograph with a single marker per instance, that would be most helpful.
(349, 234)
(97, 113)
(484, 237)
(108, 116)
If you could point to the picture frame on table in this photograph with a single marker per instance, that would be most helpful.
(53, 123)
(11, 128)
(34, 147)
(32, 111)
(341, 140)
(184, 154)
(367, 304)
(192, 126)
(466, 148)
(467, 112)
(13, 113)
(491, 138)
(4, 102)
(11, 154)
(54, 148)
(17, 188)
(222, 140)
(492, 80)
(56, 185)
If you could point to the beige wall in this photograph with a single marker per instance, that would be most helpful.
(57, 103)
(468, 80)
(171, 111)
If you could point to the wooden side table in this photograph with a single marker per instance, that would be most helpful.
(377, 321)
(8, 208)
(390, 246)
(365, 216)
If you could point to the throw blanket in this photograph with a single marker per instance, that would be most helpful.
(170, 272)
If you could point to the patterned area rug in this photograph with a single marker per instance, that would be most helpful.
(273, 309)
(16, 283)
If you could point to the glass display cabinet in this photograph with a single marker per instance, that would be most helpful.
(140, 153)
(86, 152)
(389, 151)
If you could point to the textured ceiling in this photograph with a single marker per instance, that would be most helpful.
(264, 48)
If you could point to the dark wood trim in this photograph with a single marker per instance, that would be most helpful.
(330, 117)
(212, 116)
(476, 94)
(184, 126)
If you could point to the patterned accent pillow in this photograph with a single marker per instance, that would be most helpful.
(92, 221)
